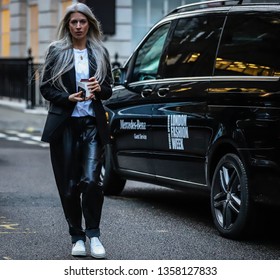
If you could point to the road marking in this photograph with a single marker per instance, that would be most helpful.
(8, 227)
(36, 138)
(23, 137)
(18, 232)
(30, 142)
(13, 138)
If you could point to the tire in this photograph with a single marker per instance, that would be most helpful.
(112, 183)
(231, 205)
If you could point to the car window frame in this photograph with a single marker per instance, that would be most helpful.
(130, 65)
(224, 33)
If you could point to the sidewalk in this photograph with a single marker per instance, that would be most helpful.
(15, 116)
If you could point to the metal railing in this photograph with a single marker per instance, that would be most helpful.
(19, 81)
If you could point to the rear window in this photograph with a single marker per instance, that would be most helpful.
(193, 47)
(250, 46)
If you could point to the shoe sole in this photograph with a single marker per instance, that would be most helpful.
(79, 254)
(98, 256)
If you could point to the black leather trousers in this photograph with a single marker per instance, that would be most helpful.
(77, 160)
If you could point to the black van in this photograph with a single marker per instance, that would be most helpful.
(197, 105)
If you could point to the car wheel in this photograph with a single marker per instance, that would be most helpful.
(112, 183)
(230, 199)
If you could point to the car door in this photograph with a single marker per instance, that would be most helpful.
(132, 105)
(246, 81)
(180, 126)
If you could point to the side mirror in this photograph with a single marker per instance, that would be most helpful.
(119, 75)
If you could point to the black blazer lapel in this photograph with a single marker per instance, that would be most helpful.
(69, 80)
(92, 64)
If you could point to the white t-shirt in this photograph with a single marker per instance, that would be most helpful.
(82, 72)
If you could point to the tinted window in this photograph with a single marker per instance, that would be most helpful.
(193, 47)
(147, 60)
(250, 46)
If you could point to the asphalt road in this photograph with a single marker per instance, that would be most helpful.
(146, 222)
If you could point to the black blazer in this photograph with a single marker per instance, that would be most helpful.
(61, 107)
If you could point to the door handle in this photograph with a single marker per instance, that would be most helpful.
(162, 92)
(146, 92)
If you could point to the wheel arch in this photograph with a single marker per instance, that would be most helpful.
(217, 151)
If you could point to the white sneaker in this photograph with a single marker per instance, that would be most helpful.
(96, 248)
(79, 249)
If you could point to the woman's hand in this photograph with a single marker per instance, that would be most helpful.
(93, 86)
(76, 97)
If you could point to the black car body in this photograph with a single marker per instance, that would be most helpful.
(198, 105)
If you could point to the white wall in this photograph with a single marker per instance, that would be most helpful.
(121, 42)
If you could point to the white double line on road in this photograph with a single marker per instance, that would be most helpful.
(26, 138)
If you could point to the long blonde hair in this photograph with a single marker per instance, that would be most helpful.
(61, 50)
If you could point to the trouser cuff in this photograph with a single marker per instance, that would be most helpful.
(92, 233)
(76, 238)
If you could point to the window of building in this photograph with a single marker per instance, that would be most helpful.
(107, 17)
(147, 12)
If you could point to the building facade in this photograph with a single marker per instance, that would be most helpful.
(31, 24)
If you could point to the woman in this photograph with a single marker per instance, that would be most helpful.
(76, 126)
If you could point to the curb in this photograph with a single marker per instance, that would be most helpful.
(15, 116)
(18, 106)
